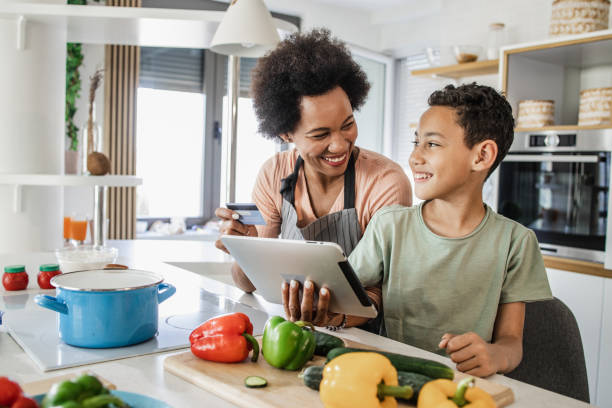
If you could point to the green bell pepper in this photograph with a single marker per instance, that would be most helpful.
(83, 392)
(62, 392)
(287, 345)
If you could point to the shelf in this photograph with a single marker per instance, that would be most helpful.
(69, 180)
(461, 70)
(152, 27)
(559, 128)
(576, 51)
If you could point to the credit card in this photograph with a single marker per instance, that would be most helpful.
(248, 212)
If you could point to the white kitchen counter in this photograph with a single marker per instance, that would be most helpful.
(145, 374)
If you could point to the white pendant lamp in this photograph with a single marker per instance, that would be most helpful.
(247, 30)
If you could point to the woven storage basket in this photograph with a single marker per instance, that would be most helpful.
(578, 16)
(595, 107)
(535, 113)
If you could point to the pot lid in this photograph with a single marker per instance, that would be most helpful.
(106, 280)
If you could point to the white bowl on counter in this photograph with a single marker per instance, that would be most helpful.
(85, 257)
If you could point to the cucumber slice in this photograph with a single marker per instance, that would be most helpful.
(255, 381)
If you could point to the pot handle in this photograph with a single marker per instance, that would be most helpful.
(164, 291)
(51, 303)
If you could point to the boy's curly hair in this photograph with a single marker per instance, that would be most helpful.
(482, 112)
(304, 64)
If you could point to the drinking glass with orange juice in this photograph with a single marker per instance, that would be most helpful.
(78, 228)
(67, 232)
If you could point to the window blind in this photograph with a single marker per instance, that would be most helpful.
(246, 66)
(174, 69)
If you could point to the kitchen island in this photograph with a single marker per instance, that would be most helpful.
(190, 266)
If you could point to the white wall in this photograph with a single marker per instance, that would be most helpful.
(350, 25)
(452, 22)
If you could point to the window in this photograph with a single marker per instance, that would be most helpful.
(170, 128)
(170, 133)
(375, 118)
(180, 110)
(252, 149)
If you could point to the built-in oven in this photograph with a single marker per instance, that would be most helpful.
(557, 184)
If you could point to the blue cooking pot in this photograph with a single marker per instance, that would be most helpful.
(107, 308)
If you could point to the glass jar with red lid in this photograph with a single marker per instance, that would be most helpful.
(15, 277)
(47, 271)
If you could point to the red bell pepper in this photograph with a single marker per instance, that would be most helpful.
(225, 339)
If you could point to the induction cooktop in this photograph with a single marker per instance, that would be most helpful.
(36, 331)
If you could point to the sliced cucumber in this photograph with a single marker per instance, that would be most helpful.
(255, 381)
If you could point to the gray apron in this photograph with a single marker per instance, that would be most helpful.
(341, 227)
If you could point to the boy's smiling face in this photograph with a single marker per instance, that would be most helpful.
(442, 164)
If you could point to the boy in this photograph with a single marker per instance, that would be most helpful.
(454, 273)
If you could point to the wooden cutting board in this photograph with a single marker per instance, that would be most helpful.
(284, 388)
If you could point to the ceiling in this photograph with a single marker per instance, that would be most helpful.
(365, 5)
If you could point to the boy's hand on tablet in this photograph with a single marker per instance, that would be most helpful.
(471, 353)
(306, 310)
(231, 226)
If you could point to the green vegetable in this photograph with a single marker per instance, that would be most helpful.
(255, 381)
(85, 391)
(62, 392)
(430, 368)
(90, 383)
(100, 401)
(326, 342)
(313, 375)
(68, 404)
(287, 345)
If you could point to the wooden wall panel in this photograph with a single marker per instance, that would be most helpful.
(122, 65)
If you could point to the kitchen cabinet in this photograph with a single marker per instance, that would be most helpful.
(558, 69)
(584, 295)
(604, 391)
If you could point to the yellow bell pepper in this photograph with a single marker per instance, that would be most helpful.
(444, 393)
(361, 380)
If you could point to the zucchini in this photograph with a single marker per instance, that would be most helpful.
(255, 381)
(326, 342)
(430, 368)
(313, 375)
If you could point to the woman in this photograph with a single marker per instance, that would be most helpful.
(326, 188)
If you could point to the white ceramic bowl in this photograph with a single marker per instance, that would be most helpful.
(85, 257)
(467, 53)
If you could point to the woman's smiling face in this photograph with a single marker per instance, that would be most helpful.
(326, 133)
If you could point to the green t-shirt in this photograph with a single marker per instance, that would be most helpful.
(432, 285)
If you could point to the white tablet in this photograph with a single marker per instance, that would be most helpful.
(267, 262)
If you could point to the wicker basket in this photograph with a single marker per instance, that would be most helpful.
(535, 113)
(578, 16)
(595, 107)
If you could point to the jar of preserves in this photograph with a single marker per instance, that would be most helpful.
(15, 277)
(47, 271)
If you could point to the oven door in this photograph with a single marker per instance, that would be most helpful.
(562, 197)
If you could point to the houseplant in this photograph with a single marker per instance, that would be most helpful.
(74, 59)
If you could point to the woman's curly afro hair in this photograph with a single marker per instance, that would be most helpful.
(482, 112)
(304, 64)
